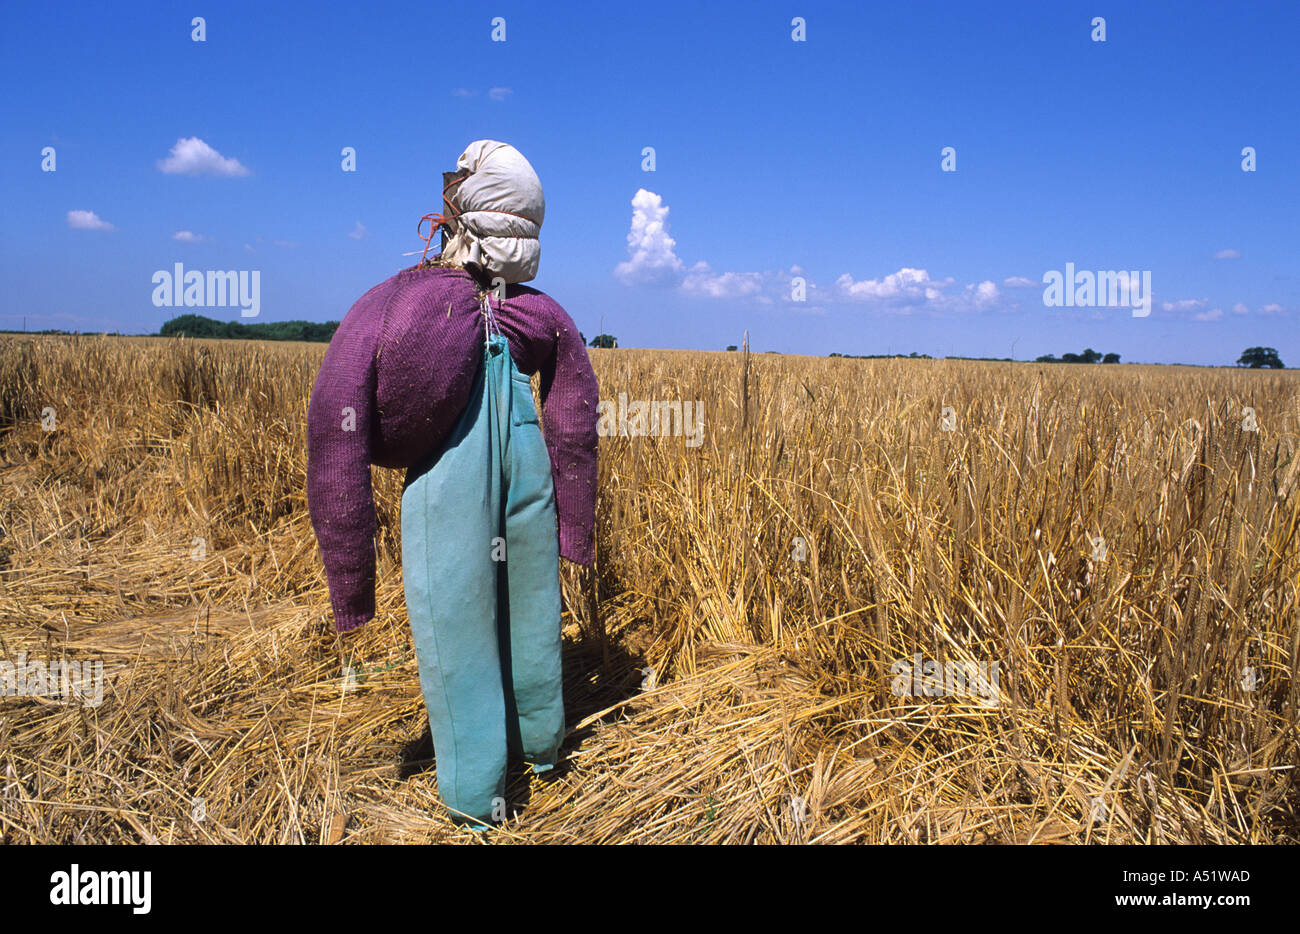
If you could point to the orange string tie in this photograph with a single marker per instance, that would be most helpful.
(437, 221)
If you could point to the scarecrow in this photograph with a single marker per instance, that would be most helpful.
(429, 371)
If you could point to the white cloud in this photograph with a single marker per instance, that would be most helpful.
(907, 290)
(701, 280)
(910, 289)
(188, 236)
(904, 285)
(652, 256)
(653, 260)
(87, 220)
(986, 293)
(1186, 304)
(358, 232)
(1228, 254)
(497, 94)
(1214, 314)
(1018, 282)
(192, 156)
(1239, 309)
(1273, 309)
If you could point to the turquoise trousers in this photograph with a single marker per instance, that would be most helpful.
(480, 568)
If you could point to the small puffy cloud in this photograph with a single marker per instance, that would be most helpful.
(1271, 309)
(910, 289)
(902, 291)
(1018, 282)
(1228, 254)
(1240, 309)
(701, 280)
(192, 156)
(907, 283)
(652, 253)
(496, 94)
(88, 220)
(188, 236)
(358, 232)
(249, 248)
(986, 293)
(1186, 304)
(1214, 314)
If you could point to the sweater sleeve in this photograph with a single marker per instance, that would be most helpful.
(339, 495)
(569, 393)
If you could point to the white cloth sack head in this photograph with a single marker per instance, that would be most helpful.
(501, 210)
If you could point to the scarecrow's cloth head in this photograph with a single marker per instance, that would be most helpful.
(499, 211)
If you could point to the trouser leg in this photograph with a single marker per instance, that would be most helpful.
(451, 511)
(532, 584)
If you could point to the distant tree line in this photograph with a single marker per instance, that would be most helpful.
(1088, 356)
(913, 356)
(61, 331)
(199, 326)
(884, 356)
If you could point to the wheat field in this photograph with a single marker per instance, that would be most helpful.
(1119, 543)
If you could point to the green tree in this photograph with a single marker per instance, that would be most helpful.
(1256, 357)
(193, 326)
(604, 340)
(1110, 358)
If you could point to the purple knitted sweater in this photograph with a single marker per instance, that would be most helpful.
(395, 380)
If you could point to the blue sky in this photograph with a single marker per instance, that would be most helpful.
(774, 159)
